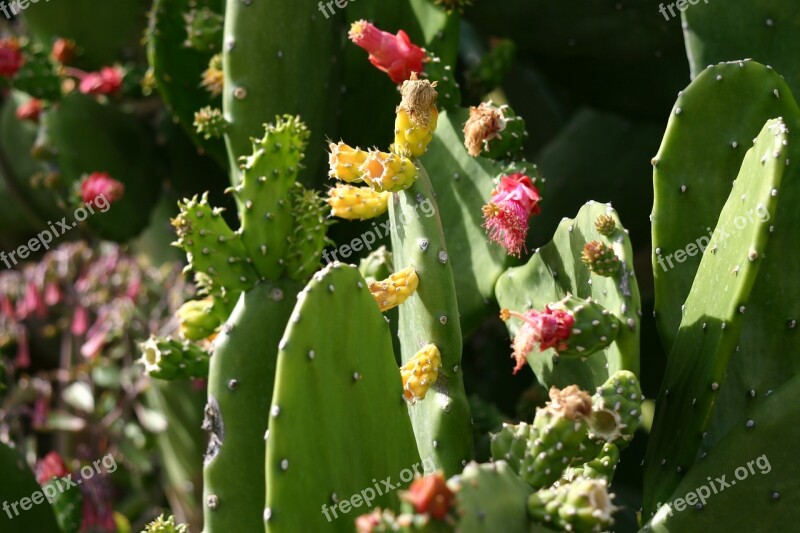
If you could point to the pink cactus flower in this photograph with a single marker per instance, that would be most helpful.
(80, 321)
(96, 338)
(52, 294)
(63, 50)
(548, 328)
(395, 55)
(107, 81)
(32, 304)
(101, 184)
(11, 59)
(506, 216)
(50, 466)
(30, 110)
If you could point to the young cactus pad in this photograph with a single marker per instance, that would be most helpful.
(713, 316)
(338, 421)
(556, 270)
(239, 393)
(430, 316)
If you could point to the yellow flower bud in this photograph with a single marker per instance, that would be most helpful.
(395, 289)
(345, 162)
(421, 372)
(357, 203)
(388, 172)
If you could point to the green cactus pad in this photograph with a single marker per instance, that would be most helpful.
(747, 481)
(377, 265)
(616, 408)
(581, 506)
(19, 482)
(288, 69)
(338, 394)
(268, 176)
(490, 497)
(601, 467)
(171, 359)
(430, 316)
(463, 185)
(594, 329)
(556, 270)
(446, 85)
(178, 69)
(766, 31)
(204, 29)
(240, 385)
(713, 315)
(707, 136)
(212, 248)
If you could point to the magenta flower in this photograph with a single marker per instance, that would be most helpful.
(11, 59)
(50, 466)
(547, 329)
(506, 216)
(108, 80)
(101, 184)
(395, 55)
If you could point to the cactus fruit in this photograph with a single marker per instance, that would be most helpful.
(416, 119)
(345, 162)
(600, 258)
(616, 409)
(582, 506)
(395, 289)
(165, 525)
(336, 380)
(357, 203)
(554, 271)
(600, 467)
(199, 319)
(441, 421)
(605, 225)
(388, 171)
(212, 248)
(210, 123)
(571, 326)
(490, 497)
(421, 373)
(170, 359)
(712, 320)
(494, 132)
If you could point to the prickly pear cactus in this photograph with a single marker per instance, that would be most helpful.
(582, 505)
(556, 270)
(237, 414)
(617, 408)
(441, 421)
(171, 359)
(289, 69)
(691, 184)
(713, 319)
(490, 497)
(337, 384)
(752, 466)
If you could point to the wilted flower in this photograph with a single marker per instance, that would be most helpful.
(549, 329)
(506, 216)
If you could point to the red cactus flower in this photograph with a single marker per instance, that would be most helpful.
(506, 216)
(11, 59)
(80, 321)
(52, 294)
(30, 110)
(107, 81)
(63, 50)
(50, 466)
(101, 184)
(548, 329)
(395, 55)
(430, 495)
